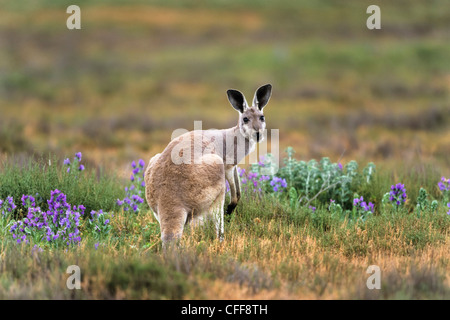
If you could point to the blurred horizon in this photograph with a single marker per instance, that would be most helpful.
(138, 70)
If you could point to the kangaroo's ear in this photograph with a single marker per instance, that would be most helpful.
(237, 100)
(262, 96)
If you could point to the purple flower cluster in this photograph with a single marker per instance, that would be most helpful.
(19, 235)
(58, 225)
(444, 184)
(251, 179)
(7, 206)
(397, 195)
(278, 184)
(133, 198)
(138, 173)
(257, 182)
(363, 206)
(131, 201)
(28, 201)
(62, 221)
(76, 163)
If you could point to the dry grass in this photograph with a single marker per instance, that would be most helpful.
(271, 258)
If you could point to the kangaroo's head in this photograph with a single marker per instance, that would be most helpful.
(251, 119)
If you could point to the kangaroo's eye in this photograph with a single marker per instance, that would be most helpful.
(261, 118)
(245, 120)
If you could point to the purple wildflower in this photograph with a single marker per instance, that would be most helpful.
(7, 206)
(28, 201)
(397, 195)
(363, 206)
(278, 184)
(444, 184)
(133, 199)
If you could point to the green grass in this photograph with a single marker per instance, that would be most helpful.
(270, 251)
(128, 269)
(92, 188)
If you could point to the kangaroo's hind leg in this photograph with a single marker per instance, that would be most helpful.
(216, 212)
(172, 221)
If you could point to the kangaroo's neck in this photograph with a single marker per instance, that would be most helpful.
(235, 145)
(230, 144)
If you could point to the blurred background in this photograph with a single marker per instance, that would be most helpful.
(137, 70)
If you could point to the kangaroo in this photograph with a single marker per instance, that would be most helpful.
(186, 182)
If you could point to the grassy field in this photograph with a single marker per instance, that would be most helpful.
(138, 70)
(272, 249)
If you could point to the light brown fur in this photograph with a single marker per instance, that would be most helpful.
(186, 182)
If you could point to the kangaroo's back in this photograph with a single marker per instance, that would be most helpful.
(192, 185)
